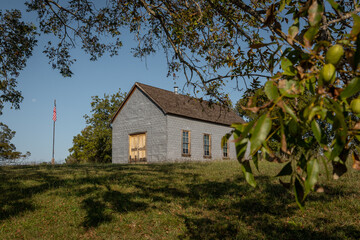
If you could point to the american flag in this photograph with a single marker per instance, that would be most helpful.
(54, 112)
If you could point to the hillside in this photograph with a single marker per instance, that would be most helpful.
(169, 201)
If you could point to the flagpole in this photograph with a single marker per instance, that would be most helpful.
(53, 150)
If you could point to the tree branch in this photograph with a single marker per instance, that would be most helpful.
(237, 75)
(256, 15)
(342, 18)
(177, 51)
(62, 21)
(220, 10)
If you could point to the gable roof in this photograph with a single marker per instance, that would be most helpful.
(184, 106)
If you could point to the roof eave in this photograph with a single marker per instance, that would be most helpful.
(136, 85)
(122, 104)
(199, 119)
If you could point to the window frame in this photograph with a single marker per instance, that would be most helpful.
(188, 143)
(209, 135)
(227, 150)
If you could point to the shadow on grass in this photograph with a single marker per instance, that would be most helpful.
(236, 210)
(16, 196)
(95, 213)
(259, 214)
(121, 202)
(20, 183)
(221, 228)
(204, 228)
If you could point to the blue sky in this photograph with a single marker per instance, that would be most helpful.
(40, 85)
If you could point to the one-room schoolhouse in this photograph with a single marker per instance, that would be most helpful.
(155, 125)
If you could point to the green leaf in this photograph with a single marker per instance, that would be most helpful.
(327, 154)
(339, 145)
(283, 141)
(322, 113)
(288, 67)
(225, 139)
(293, 128)
(271, 90)
(310, 35)
(356, 27)
(312, 170)
(326, 167)
(357, 53)
(238, 126)
(311, 85)
(286, 63)
(282, 5)
(290, 72)
(261, 130)
(339, 124)
(286, 170)
(271, 58)
(240, 146)
(243, 130)
(256, 161)
(289, 88)
(315, 13)
(299, 193)
(313, 112)
(246, 169)
(334, 4)
(293, 30)
(357, 137)
(266, 151)
(351, 89)
(290, 112)
(316, 130)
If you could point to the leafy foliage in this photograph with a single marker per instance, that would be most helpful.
(8, 151)
(93, 144)
(319, 76)
(17, 40)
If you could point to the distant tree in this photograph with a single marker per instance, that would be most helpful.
(93, 144)
(8, 151)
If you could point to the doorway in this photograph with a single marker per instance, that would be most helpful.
(137, 148)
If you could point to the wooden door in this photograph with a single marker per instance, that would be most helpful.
(137, 148)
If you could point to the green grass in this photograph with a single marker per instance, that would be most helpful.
(170, 201)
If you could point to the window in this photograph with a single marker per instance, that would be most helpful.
(207, 145)
(185, 143)
(226, 150)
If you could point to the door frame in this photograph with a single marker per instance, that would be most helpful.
(142, 160)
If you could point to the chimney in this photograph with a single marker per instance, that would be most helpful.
(176, 90)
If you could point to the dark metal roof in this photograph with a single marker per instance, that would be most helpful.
(186, 106)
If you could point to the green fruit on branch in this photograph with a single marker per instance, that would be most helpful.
(334, 54)
(355, 105)
(328, 73)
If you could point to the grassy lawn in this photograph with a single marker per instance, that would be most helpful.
(170, 201)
